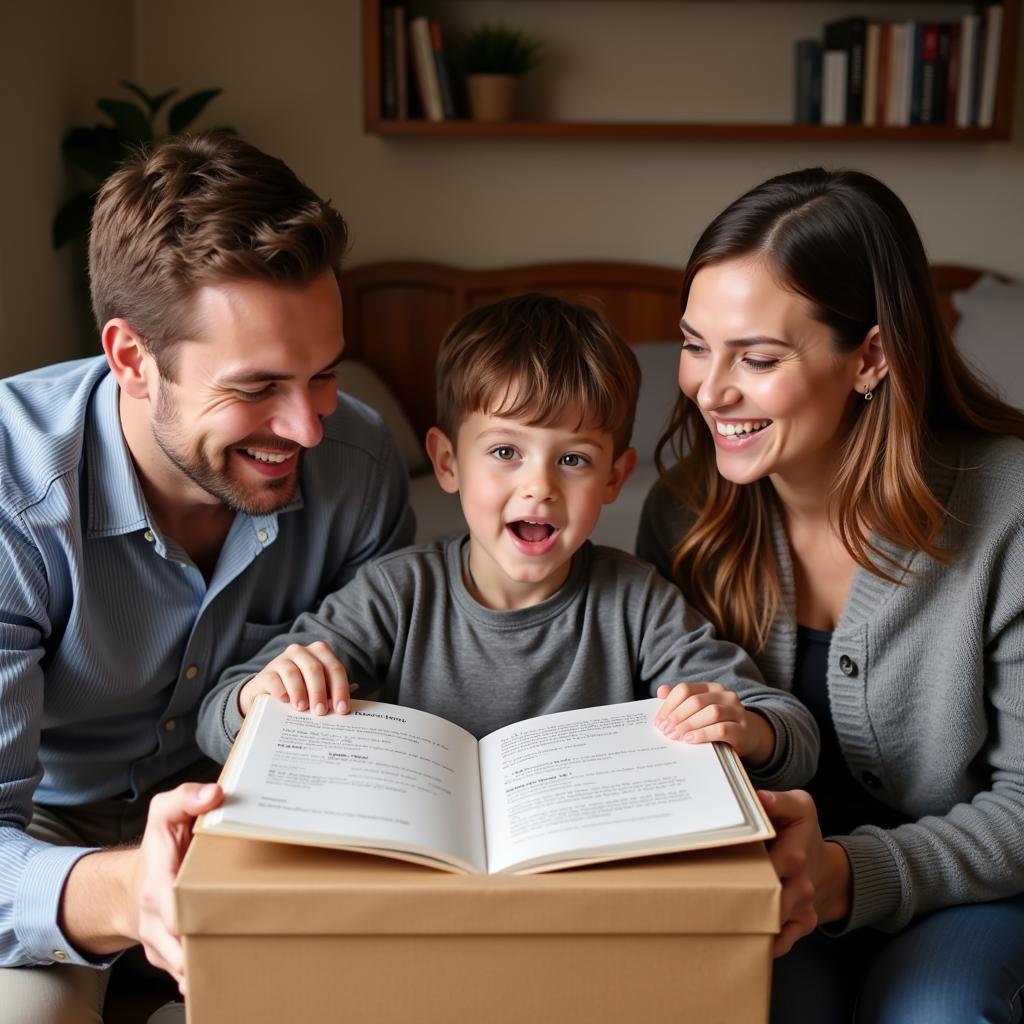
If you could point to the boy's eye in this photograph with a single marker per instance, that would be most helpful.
(505, 452)
(573, 459)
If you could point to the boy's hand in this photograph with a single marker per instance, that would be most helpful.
(308, 677)
(704, 712)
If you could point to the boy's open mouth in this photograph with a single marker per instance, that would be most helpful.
(532, 532)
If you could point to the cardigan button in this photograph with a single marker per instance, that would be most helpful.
(871, 780)
(847, 665)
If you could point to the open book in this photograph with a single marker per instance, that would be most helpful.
(557, 791)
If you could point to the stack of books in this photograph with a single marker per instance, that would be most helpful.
(902, 72)
(415, 80)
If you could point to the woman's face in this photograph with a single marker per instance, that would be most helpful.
(774, 392)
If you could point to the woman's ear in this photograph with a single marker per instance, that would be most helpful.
(127, 358)
(873, 367)
(442, 458)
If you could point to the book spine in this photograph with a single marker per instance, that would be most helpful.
(425, 68)
(978, 70)
(808, 82)
(926, 46)
(443, 78)
(884, 70)
(848, 35)
(941, 102)
(401, 63)
(833, 87)
(916, 71)
(990, 72)
(965, 70)
(908, 71)
(388, 65)
(872, 46)
(897, 72)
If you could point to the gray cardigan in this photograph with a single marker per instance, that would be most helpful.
(926, 685)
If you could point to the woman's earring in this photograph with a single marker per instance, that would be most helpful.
(868, 393)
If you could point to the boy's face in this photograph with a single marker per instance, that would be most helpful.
(531, 496)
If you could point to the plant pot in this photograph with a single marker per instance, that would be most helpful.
(491, 97)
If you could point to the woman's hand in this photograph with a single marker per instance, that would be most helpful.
(815, 874)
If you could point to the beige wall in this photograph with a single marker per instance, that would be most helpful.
(292, 81)
(56, 58)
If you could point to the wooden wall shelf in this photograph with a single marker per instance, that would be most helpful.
(418, 128)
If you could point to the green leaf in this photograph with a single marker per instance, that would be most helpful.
(73, 218)
(97, 150)
(153, 103)
(130, 119)
(183, 113)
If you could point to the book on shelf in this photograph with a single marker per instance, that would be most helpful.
(966, 64)
(443, 76)
(848, 35)
(872, 51)
(808, 82)
(884, 66)
(833, 86)
(558, 791)
(401, 62)
(990, 64)
(389, 67)
(428, 84)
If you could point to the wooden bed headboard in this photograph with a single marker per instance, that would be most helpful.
(397, 313)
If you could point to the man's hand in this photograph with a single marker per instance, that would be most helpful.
(815, 874)
(158, 858)
(309, 677)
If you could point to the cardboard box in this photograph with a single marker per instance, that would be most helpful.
(287, 933)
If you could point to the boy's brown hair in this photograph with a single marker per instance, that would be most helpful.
(201, 210)
(535, 357)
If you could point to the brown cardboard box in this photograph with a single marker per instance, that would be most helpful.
(286, 933)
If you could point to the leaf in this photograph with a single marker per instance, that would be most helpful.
(97, 150)
(183, 113)
(153, 103)
(130, 119)
(73, 218)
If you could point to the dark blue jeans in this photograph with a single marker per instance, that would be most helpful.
(954, 966)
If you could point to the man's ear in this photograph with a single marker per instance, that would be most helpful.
(621, 469)
(873, 367)
(128, 358)
(442, 458)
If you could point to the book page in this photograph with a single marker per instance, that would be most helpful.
(598, 783)
(383, 777)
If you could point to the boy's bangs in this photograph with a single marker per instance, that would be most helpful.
(546, 402)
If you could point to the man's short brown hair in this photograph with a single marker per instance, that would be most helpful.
(202, 210)
(537, 358)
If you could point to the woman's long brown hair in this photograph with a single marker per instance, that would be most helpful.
(846, 243)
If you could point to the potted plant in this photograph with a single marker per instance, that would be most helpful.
(99, 149)
(493, 58)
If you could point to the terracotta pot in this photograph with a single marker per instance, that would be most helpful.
(491, 97)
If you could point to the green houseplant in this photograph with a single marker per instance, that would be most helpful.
(100, 148)
(493, 58)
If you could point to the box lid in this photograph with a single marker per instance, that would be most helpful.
(246, 887)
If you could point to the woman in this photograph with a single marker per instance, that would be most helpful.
(849, 506)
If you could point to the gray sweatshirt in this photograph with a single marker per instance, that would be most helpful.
(926, 686)
(408, 630)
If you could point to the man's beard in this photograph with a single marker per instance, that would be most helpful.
(271, 495)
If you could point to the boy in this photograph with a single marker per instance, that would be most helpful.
(525, 617)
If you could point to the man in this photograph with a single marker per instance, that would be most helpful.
(164, 511)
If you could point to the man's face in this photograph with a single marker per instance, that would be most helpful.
(251, 391)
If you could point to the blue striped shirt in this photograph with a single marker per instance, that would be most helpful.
(109, 634)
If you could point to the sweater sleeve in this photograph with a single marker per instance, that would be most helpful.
(359, 623)
(678, 646)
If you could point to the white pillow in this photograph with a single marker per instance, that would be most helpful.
(990, 334)
(659, 389)
(359, 381)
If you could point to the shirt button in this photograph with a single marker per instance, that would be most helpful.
(871, 780)
(59, 954)
(262, 535)
(847, 666)
(170, 725)
(192, 671)
(183, 565)
(149, 536)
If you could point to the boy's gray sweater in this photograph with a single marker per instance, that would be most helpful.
(408, 630)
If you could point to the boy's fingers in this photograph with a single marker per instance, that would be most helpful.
(708, 715)
(338, 681)
(723, 732)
